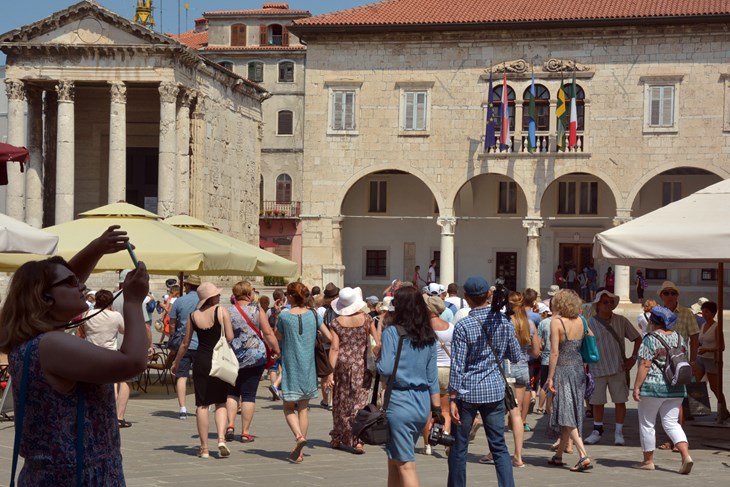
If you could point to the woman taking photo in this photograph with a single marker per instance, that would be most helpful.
(351, 332)
(209, 321)
(251, 335)
(297, 329)
(653, 393)
(416, 388)
(66, 376)
(566, 377)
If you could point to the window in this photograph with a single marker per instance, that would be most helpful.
(542, 107)
(497, 102)
(283, 189)
(709, 275)
(285, 123)
(566, 198)
(671, 192)
(238, 35)
(414, 110)
(343, 110)
(261, 194)
(656, 274)
(286, 72)
(507, 197)
(377, 199)
(227, 64)
(589, 198)
(580, 104)
(273, 35)
(661, 106)
(376, 263)
(256, 71)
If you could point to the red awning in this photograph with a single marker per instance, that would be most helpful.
(266, 244)
(11, 153)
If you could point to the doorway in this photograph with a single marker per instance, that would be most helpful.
(506, 269)
(142, 163)
(579, 255)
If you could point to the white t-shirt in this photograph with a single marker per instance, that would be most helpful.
(442, 359)
(102, 329)
(431, 274)
(456, 301)
(462, 313)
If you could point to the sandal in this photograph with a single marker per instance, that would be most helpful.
(223, 449)
(296, 455)
(124, 423)
(358, 449)
(517, 464)
(582, 466)
(203, 453)
(247, 438)
(487, 460)
(556, 461)
(667, 445)
(229, 433)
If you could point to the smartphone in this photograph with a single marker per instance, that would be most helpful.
(131, 254)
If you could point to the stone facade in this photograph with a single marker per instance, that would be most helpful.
(442, 174)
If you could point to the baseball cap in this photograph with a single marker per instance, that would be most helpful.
(476, 285)
(434, 289)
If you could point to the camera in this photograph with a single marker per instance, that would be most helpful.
(500, 298)
(437, 436)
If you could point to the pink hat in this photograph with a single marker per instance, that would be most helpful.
(206, 291)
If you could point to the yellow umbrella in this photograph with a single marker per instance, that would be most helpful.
(162, 247)
(267, 264)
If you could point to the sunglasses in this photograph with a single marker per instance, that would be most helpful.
(70, 281)
(670, 293)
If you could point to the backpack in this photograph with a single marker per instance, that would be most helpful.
(451, 306)
(151, 306)
(677, 371)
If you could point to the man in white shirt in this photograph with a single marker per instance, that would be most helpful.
(453, 298)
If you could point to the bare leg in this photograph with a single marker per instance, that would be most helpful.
(292, 419)
(578, 442)
(231, 409)
(445, 408)
(221, 421)
(303, 411)
(620, 413)
(515, 422)
(122, 399)
(181, 387)
(406, 473)
(524, 395)
(426, 430)
(247, 410)
(394, 479)
(201, 420)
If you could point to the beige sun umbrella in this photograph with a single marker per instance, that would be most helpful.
(162, 247)
(267, 264)
(20, 243)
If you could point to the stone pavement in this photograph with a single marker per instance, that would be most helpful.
(159, 450)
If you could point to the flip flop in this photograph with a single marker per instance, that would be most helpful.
(581, 466)
(665, 446)
(486, 460)
(124, 423)
(556, 461)
(358, 449)
(296, 455)
(229, 433)
(247, 438)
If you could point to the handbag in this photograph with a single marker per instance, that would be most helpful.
(371, 424)
(510, 401)
(590, 386)
(321, 357)
(223, 364)
(269, 353)
(588, 347)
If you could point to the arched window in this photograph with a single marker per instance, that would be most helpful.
(286, 72)
(256, 71)
(283, 189)
(227, 64)
(542, 107)
(238, 35)
(580, 104)
(275, 35)
(497, 102)
(285, 122)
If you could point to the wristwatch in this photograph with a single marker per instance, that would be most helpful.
(453, 398)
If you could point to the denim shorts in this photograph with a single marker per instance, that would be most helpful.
(521, 374)
(186, 363)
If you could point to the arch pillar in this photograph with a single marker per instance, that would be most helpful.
(532, 260)
(448, 225)
(622, 283)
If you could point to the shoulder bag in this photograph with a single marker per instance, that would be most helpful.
(223, 364)
(321, 357)
(371, 424)
(269, 360)
(510, 402)
(588, 347)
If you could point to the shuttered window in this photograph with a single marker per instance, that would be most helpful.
(414, 110)
(284, 36)
(283, 189)
(343, 110)
(263, 35)
(256, 71)
(238, 35)
(662, 106)
(285, 123)
(286, 72)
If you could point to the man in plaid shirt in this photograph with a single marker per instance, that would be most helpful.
(476, 385)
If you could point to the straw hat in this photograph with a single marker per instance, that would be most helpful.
(553, 290)
(349, 301)
(386, 304)
(206, 291)
(192, 279)
(697, 307)
(608, 293)
(435, 305)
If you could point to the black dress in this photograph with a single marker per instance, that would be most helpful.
(208, 390)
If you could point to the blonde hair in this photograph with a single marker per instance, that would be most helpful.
(242, 290)
(649, 304)
(567, 303)
(24, 314)
(519, 318)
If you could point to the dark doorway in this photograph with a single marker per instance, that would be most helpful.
(507, 269)
(579, 255)
(142, 165)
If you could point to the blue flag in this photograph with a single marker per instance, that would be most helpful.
(490, 139)
(532, 124)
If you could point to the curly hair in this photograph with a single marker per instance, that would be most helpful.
(24, 314)
(567, 303)
(299, 293)
(104, 298)
(519, 318)
(411, 313)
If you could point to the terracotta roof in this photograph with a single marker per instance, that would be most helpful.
(256, 48)
(425, 12)
(193, 39)
(257, 12)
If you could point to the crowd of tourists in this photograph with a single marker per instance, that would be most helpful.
(450, 363)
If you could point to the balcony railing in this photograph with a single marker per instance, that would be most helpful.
(272, 209)
(545, 144)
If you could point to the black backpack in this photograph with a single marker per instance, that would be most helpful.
(677, 370)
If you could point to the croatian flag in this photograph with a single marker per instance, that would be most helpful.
(504, 140)
(573, 126)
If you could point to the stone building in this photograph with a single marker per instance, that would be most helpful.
(396, 169)
(119, 112)
(256, 44)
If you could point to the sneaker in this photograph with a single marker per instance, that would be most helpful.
(427, 450)
(618, 439)
(593, 438)
(275, 392)
(527, 428)
(183, 415)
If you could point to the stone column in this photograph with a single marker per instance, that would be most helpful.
(182, 186)
(15, 193)
(117, 178)
(167, 150)
(532, 258)
(65, 148)
(197, 153)
(447, 224)
(337, 240)
(34, 176)
(622, 282)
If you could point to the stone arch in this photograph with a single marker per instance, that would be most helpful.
(506, 169)
(656, 171)
(560, 172)
(522, 195)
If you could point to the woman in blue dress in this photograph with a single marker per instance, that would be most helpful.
(416, 390)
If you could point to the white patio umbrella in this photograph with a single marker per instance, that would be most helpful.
(16, 236)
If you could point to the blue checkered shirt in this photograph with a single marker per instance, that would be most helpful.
(475, 376)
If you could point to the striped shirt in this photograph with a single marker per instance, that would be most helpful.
(686, 324)
(611, 353)
(475, 376)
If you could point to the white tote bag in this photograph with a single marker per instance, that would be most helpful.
(224, 364)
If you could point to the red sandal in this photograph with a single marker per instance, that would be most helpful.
(247, 438)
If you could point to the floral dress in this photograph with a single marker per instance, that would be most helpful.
(352, 379)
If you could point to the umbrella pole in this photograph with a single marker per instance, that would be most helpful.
(720, 340)
(180, 280)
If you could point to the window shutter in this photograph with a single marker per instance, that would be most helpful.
(238, 35)
(349, 110)
(421, 111)
(668, 106)
(284, 36)
(409, 111)
(286, 121)
(337, 123)
(263, 35)
(656, 92)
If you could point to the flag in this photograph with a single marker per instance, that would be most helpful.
(573, 137)
(490, 139)
(560, 114)
(532, 124)
(504, 140)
